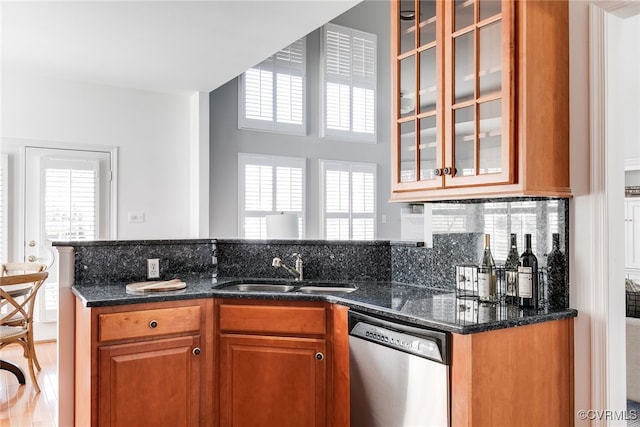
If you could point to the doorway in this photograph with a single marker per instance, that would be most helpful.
(607, 53)
(67, 196)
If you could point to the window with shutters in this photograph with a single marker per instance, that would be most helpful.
(269, 185)
(4, 245)
(71, 199)
(348, 200)
(272, 94)
(348, 74)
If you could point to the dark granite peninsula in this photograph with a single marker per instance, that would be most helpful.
(404, 280)
(400, 281)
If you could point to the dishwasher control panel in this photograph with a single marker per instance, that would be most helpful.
(420, 342)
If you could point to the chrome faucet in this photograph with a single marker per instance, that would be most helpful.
(297, 272)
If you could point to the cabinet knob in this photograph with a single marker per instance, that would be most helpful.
(437, 172)
(196, 351)
(319, 356)
(447, 171)
(153, 324)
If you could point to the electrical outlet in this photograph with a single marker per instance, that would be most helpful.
(153, 268)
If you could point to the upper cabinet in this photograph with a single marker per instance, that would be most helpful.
(480, 99)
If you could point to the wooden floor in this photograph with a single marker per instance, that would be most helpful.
(20, 405)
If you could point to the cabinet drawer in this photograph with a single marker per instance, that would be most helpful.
(148, 323)
(272, 319)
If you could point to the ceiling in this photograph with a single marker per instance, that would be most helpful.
(168, 46)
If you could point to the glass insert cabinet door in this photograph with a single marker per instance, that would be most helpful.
(453, 93)
(479, 100)
(417, 52)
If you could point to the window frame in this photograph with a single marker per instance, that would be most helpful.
(274, 162)
(350, 167)
(372, 84)
(274, 65)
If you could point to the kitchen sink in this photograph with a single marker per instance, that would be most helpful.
(301, 287)
(325, 289)
(259, 287)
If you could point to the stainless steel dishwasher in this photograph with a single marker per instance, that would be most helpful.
(399, 374)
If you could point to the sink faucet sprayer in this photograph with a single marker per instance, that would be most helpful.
(297, 273)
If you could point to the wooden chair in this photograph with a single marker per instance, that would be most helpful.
(13, 268)
(18, 294)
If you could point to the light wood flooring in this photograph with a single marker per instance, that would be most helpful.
(20, 405)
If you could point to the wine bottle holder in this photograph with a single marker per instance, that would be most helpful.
(467, 284)
(467, 281)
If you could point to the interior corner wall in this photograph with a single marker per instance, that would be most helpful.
(580, 216)
(630, 73)
(150, 129)
(227, 140)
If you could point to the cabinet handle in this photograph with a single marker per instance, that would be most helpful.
(319, 356)
(437, 172)
(153, 324)
(196, 351)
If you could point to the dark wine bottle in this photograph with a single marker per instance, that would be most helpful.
(511, 272)
(528, 276)
(487, 273)
(556, 270)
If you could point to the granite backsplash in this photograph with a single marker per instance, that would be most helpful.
(401, 262)
(126, 260)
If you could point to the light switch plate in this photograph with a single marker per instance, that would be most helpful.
(136, 216)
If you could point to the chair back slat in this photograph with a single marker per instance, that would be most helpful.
(11, 268)
(20, 299)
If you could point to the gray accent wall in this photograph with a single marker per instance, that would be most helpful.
(227, 140)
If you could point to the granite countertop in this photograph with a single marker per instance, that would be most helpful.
(416, 305)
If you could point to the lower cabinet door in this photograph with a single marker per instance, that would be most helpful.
(153, 383)
(272, 381)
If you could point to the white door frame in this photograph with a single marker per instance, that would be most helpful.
(605, 292)
(18, 220)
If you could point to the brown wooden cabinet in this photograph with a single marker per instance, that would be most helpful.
(519, 376)
(480, 99)
(144, 364)
(282, 364)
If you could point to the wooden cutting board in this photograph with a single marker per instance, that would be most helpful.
(156, 286)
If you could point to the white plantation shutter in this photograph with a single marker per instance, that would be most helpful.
(349, 83)
(272, 94)
(258, 103)
(3, 208)
(269, 185)
(71, 200)
(348, 200)
(71, 206)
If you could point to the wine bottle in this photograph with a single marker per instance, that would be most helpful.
(487, 273)
(528, 276)
(556, 269)
(511, 271)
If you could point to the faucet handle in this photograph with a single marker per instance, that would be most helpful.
(277, 262)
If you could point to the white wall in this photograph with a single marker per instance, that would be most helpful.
(631, 47)
(631, 29)
(151, 131)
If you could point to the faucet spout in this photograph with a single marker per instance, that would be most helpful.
(296, 273)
